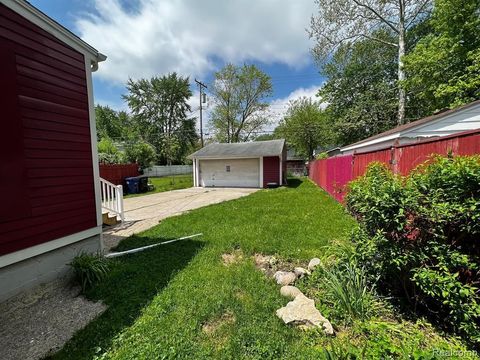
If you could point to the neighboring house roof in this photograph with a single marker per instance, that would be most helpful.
(42, 20)
(241, 150)
(404, 130)
(334, 150)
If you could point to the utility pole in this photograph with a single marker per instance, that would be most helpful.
(201, 86)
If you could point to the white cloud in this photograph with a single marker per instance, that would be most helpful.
(278, 107)
(187, 35)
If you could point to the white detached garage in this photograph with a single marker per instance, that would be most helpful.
(253, 164)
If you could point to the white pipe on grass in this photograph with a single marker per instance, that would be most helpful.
(132, 251)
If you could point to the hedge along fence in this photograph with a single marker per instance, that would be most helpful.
(117, 173)
(333, 174)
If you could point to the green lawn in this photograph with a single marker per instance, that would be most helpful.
(160, 299)
(167, 183)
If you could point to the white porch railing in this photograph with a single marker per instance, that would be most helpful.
(112, 198)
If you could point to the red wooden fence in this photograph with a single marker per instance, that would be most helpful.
(334, 173)
(117, 173)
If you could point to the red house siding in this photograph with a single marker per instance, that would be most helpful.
(46, 168)
(271, 170)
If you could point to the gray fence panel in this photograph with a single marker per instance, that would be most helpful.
(165, 170)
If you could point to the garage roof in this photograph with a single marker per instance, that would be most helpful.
(241, 150)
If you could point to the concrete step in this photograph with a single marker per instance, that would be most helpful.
(109, 219)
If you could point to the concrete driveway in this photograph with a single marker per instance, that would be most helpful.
(144, 212)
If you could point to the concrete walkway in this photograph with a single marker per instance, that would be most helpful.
(144, 212)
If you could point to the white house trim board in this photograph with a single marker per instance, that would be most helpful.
(93, 141)
(261, 171)
(39, 249)
(197, 171)
(194, 173)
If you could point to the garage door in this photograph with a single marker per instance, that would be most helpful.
(230, 173)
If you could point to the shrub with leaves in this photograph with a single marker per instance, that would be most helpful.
(141, 153)
(419, 236)
(108, 153)
(89, 269)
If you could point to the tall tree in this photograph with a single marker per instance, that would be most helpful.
(305, 126)
(160, 108)
(340, 22)
(239, 95)
(444, 68)
(110, 123)
(361, 90)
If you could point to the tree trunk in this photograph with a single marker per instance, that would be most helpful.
(401, 71)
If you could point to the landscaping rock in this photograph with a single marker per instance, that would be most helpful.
(301, 272)
(302, 312)
(313, 264)
(284, 277)
(290, 291)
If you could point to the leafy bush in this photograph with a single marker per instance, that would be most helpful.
(89, 269)
(419, 236)
(141, 153)
(108, 152)
(322, 155)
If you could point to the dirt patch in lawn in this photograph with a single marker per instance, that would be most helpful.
(232, 258)
(270, 264)
(39, 322)
(211, 327)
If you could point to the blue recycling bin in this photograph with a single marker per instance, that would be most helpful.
(132, 184)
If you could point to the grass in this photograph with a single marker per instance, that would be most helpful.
(167, 183)
(181, 301)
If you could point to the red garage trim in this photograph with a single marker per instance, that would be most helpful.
(47, 121)
(271, 170)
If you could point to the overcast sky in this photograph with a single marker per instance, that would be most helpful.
(194, 38)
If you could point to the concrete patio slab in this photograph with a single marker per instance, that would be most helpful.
(144, 212)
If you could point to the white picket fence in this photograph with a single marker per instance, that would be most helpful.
(165, 170)
(112, 198)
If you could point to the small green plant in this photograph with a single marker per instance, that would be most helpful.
(344, 288)
(89, 269)
(322, 156)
